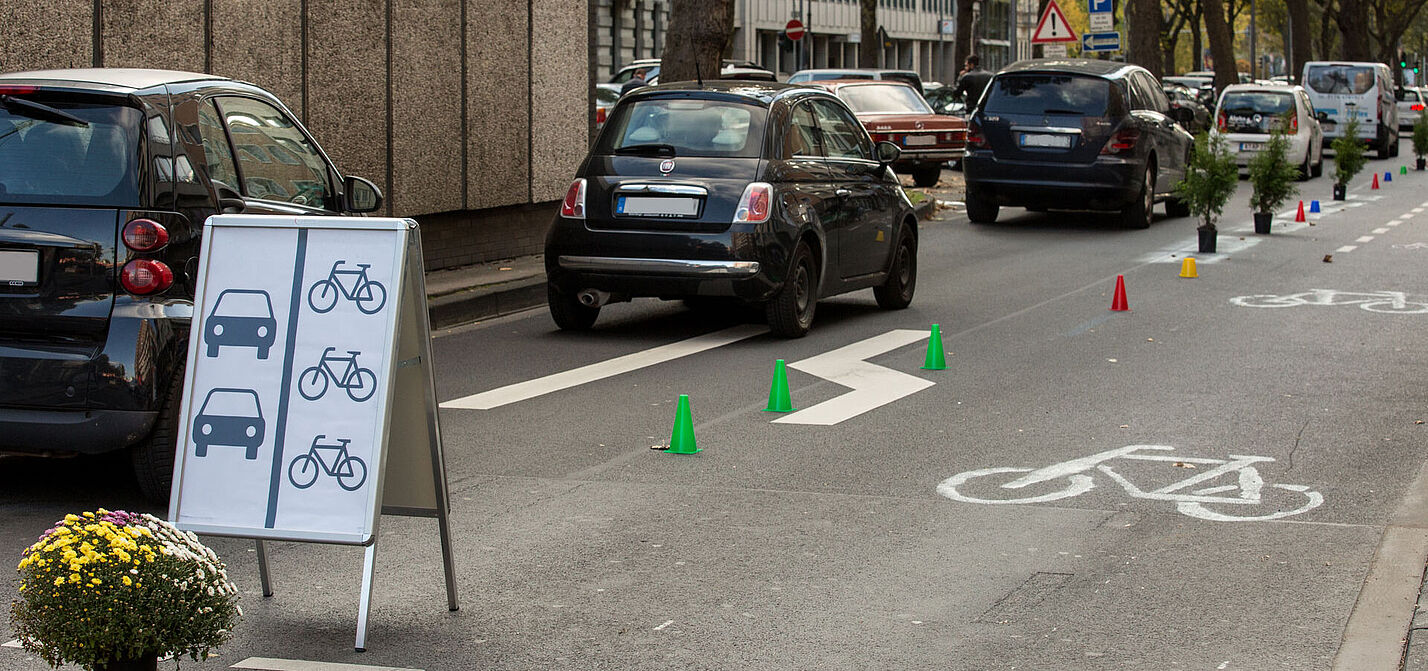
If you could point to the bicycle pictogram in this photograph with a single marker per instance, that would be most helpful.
(1242, 488)
(359, 382)
(1387, 302)
(368, 294)
(349, 471)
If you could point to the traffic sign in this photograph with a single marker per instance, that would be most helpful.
(1101, 41)
(1102, 22)
(794, 29)
(1053, 26)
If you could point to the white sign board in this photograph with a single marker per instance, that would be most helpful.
(1102, 22)
(291, 358)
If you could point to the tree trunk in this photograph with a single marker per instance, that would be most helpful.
(1197, 42)
(699, 31)
(870, 46)
(962, 41)
(1326, 33)
(1299, 36)
(1143, 19)
(1221, 46)
(1353, 27)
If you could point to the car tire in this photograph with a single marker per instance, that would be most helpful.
(567, 311)
(926, 175)
(1138, 213)
(1384, 151)
(1393, 145)
(979, 210)
(1307, 169)
(896, 292)
(153, 458)
(1318, 169)
(790, 312)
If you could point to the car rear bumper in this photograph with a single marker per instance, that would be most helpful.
(1103, 185)
(67, 432)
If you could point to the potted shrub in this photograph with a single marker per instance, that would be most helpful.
(1420, 139)
(117, 590)
(1272, 178)
(1210, 180)
(1348, 158)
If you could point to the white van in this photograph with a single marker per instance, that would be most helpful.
(1364, 90)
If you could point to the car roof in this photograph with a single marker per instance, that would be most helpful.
(1078, 66)
(853, 71)
(1268, 88)
(125, 78)
(756, 91)
(835, 84)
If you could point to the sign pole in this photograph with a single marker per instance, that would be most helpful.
(364, 607)
(263, 576)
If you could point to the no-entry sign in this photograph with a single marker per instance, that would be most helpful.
(794, 29)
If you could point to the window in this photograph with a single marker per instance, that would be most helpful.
(215, 147)
(1355, 79)
(688, 127)
(802, 138)
(843, 136)
(44, 161)
(1043, 94)
(300, 175)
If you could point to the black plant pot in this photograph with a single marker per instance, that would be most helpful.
(1339, 191)
(1262, 221)
(1207, 240)
(1421, 162)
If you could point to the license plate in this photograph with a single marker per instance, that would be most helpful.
(919, 140)
(646, 206)
(1045, 140)
(19, 268)
(1251, 146)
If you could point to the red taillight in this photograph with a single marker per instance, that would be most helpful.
(975, 139)
(145, 276)
(1417, 107)
(16, 90)
(1121, 142)
(599, 115)
(1221, 122)
(144, 235)
(1293, 125)
(754, 204)
(573, 207)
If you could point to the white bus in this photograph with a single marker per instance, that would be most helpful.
(1344, 90)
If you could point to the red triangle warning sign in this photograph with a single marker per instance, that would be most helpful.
(1053, 26)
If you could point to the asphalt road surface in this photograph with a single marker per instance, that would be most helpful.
(997, 514)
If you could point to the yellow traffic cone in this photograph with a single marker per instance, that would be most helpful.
(1187, 267)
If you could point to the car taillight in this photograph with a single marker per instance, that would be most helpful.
(1221, 122)
(142, 277)
(11, 89)
(975, 139)
(1121, 142)
(1293, 125)
(754, 204)
(145, 235)
(573, 207)
(880, 137)
(599, 115)
(1417, 107)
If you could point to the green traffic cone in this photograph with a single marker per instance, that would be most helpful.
(682, 440)
(936, 360)
(778, 391)
(1403, 170)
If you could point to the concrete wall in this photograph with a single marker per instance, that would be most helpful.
(465, 121)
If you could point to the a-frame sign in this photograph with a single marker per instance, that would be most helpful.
(1053, 26)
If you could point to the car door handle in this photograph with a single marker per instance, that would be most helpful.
(843, 192)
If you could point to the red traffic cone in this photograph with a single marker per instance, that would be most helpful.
(1300, 215)
(1118, 303)
(1375, 181)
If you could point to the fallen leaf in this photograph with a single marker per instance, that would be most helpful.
(1150, 339)
(1417, 421)
(1181, 464)
(1112, 360)
(1328, 258)
(1125, 426)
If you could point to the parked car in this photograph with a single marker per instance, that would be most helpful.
(764, 193)
(909, 77)
(606, 95)
(1074, 134)
(1247, 113)
(1361, 90)
(895, 112)
(946, 100)
(106, 179)
(1410, 105)
(728, 69)
(1186, 109)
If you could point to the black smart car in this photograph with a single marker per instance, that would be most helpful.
(766, 193)
(1075, 135)
(106, 179)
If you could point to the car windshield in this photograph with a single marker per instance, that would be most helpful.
(1352, 79)
(1255, 109)
(1041, 94)
(231, 403)
(669, 127)
(58, 161)
(883, 99)
(233, 303)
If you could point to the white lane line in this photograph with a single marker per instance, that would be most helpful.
(872, 385)
(1394, 223)
(12, 644)
(1365, 238)
(270, 664)
(529, 389)
(1417, 210)
(1406, 216)
(1380, 231)
(1347, 248)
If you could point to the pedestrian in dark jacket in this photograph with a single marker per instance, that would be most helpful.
(636, 80)
(973, 81)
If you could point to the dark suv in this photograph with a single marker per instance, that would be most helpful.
(106, 179)
(1075, 135)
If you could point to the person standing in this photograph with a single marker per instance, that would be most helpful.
(636, 80)
(973, 81)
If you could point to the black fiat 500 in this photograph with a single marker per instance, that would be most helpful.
(106, 179)
(765, 193)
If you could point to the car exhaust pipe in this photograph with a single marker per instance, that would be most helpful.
(593, 298)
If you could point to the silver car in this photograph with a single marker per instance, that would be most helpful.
(1247, 113)
(1410, 105)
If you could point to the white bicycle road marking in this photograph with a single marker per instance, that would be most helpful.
(1248, 488)
(1385, 302)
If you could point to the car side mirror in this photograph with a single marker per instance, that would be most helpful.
(1321, 116)
(887, 152)
(361, 195)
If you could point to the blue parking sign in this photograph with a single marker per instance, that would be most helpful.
(1097, 6)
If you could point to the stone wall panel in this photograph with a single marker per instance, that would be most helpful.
(260, 41)
(347, 85)
(427, 171)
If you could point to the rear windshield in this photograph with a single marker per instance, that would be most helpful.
(883, 99)
(1353, 79)
(46, 161)
(1407, 95)
(1256, 110)
(1048, 94)
(688, 127)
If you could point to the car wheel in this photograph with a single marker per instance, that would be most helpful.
(896, 293)
(1319, 166)
(153, 458)
(1137, 214)
(1384, 151)
(567, 311)
(790, 313)
(1307, 169)
(927, 174)
(1393, 145)
(979, 210)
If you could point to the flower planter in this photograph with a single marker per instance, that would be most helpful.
(1207, 240)
(1262, 220)
(147, 662)
(1339, 192)
(1421, 162)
